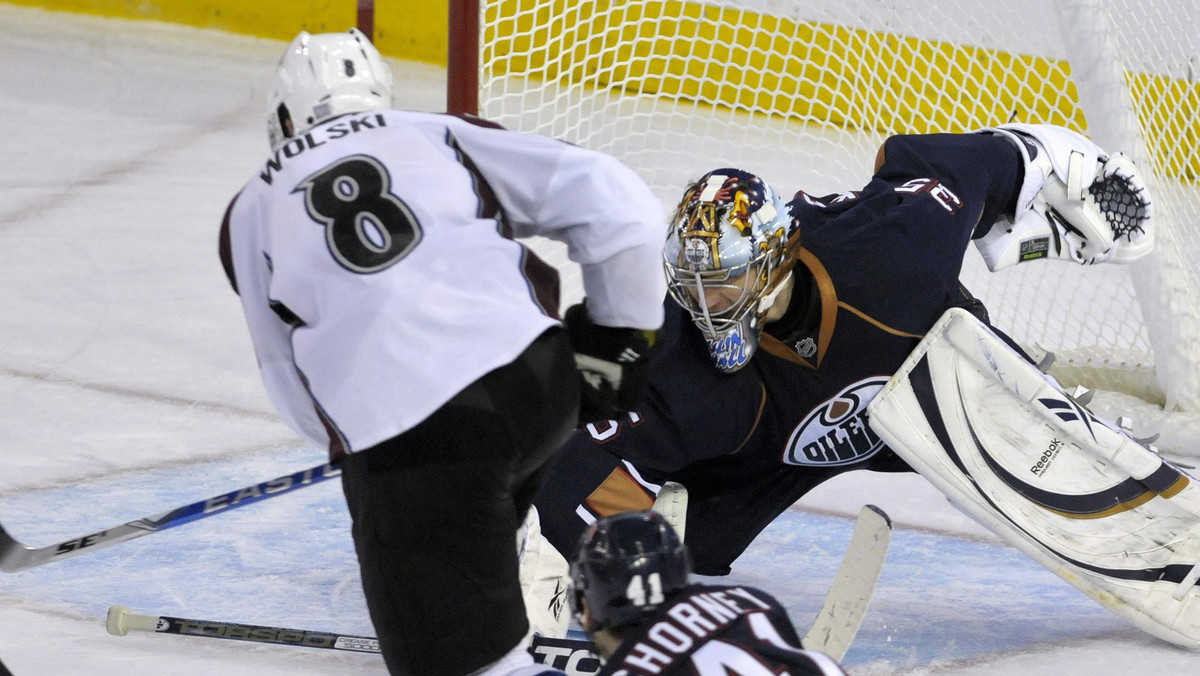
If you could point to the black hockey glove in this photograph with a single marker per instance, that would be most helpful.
(613, 365)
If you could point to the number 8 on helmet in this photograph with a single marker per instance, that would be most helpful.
(323, 76)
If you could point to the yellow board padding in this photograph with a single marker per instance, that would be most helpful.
(736, 59)
(756, 62)
(406, 29)
(753, 62)
(1169, 112)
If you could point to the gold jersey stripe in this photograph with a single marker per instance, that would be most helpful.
(619, 493)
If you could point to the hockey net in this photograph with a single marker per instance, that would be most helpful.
(802, 92)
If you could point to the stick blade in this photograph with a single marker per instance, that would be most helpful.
(846, 603)
(14, 556)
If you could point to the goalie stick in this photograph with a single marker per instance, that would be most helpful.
(15, 556)
(121, 621)
(846, 603)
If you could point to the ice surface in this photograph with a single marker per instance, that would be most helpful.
(129, 387)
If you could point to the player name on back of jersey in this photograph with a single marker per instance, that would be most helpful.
(319, 136)
(687, 624)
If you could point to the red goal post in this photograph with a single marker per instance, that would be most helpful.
(364, 18)
(803, 91)
(462, 57)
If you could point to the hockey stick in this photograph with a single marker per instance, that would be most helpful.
(15, 556)
(121, 621)
(831, 633)
(852, 588)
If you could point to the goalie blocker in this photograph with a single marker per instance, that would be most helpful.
(1071, 490)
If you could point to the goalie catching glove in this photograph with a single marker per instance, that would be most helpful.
(613, 364)
(1076, 203)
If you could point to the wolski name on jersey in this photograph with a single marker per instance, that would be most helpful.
(319, 137)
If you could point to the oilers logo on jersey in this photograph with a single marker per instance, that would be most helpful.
(836, 432)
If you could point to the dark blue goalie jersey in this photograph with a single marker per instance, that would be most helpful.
(874, 270)
(717, 630)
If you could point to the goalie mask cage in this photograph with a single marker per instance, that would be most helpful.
(802, 92)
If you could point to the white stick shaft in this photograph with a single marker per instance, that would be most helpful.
(846, 603)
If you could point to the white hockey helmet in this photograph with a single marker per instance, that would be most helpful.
(322, 76)
(723, 259)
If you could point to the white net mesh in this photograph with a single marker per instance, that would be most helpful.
(802, 92)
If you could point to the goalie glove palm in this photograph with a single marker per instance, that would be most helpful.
(612, 362)
(1076, 203)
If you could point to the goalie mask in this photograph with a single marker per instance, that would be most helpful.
(723, 255)
(322, 76)
(626, 566)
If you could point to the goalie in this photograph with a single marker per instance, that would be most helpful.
(787, 318)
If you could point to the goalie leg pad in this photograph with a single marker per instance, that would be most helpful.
(1073, 491)
(544, 575)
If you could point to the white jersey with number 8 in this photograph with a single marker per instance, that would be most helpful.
(377, 281)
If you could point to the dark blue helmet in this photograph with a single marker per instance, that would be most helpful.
(626, 566)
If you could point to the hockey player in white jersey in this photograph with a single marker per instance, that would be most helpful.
(398, 323)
